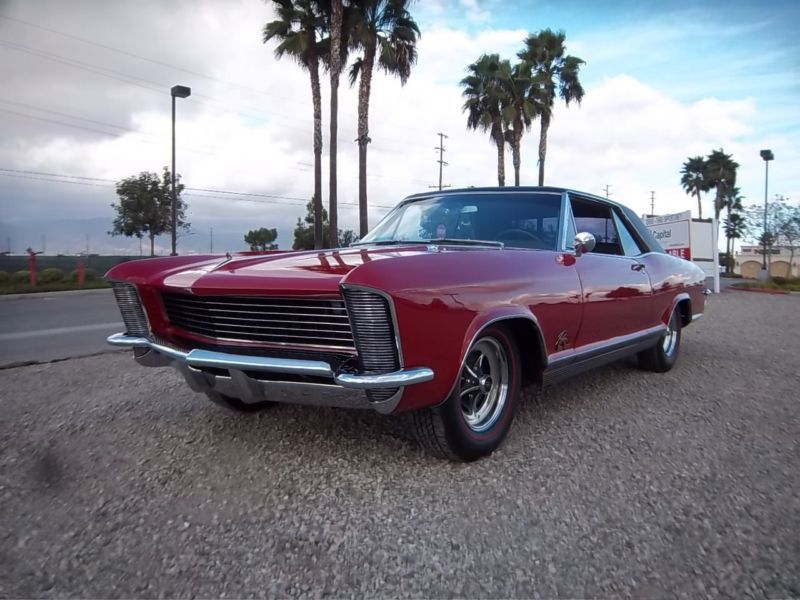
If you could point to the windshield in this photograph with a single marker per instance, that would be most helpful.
(513, 219)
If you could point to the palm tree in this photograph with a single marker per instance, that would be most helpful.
(483, 105)
(693, 180)
(382, 30)
(334, 55)
(733, 205)
(520, 106)
(735, 226)
(556, 74)
(297, 31)
(721, 176)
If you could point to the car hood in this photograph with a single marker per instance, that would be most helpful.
(289, 273)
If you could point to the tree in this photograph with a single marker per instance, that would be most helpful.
(693, 180)
(483, 105)
(145, 206)
(336, 56)
(720, 176)
(761, 232)
(735, 227)
(263, 238)
(304, 232)
(733, 206)
(787, 227)
(382, 30)
(297, 30)
(520, 107)
(555, 73)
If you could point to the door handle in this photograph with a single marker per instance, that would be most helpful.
(637, 267)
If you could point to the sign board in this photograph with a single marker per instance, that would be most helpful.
(673, 232)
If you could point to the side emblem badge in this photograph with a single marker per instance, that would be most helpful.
(561, 341)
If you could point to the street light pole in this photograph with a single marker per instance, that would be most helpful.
(177, 91)
(767, 155)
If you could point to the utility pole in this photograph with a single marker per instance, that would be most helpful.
(211, 242)
(607, 190)
(44, 245)
(87, 244)
(442, 163)
(652, 203)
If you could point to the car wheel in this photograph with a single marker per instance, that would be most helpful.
(662, 357)
(476, 417)
(237, 405)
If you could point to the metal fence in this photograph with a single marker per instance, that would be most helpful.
(99, 264)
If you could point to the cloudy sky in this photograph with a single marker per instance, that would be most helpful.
(85, 102)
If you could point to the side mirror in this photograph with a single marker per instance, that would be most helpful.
(584, 242)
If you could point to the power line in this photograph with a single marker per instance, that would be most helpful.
(148, 59)
(154, 86)
(203, 192)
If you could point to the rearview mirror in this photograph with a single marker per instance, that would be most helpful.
(584, 242)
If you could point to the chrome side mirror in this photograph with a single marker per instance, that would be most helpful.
(584, 242)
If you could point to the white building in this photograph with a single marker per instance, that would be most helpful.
(748, 262)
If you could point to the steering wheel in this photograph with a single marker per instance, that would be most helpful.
(519, 232)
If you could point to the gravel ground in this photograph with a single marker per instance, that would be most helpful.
(117, 481)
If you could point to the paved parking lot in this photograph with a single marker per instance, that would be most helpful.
(117, 481)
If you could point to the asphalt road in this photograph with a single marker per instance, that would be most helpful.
(118, 481)
(42, 327)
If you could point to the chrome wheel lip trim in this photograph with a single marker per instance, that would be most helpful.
(670, 340)
(490, 404)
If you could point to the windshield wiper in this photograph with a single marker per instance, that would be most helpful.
(452, 241)
(388, 242)
(467, 242)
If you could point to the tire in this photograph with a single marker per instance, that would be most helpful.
(475, 419)
(663, 356)
(235, 404)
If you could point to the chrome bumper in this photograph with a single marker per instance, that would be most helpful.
(238, 384)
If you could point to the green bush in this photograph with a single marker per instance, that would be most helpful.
(89, 274)
(4, 278)
(23, 276)
(51, 275)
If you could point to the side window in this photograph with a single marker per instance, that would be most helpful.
(629, 244)
(597, 219)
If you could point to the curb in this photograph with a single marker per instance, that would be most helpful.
(761, 291)
(65, 292)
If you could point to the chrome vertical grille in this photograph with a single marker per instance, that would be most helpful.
(373, 330)
(130, 306)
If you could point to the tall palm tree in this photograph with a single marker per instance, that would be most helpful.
(733, 206)
(483, 105)
(735, 227)
(297, 30)
(556, 74)
(520, 106)
(693, 180)
(335, 56)
(383, 30)
(720, 176)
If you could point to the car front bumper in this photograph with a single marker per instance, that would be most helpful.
(236, 375)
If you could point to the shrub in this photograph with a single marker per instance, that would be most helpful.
(89, 274)
(23, 276)
(51, 275)
(4, 278)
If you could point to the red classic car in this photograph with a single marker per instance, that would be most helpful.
(451, 304)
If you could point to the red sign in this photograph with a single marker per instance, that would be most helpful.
(684, 253)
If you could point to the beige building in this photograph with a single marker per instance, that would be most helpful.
(748, 262)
